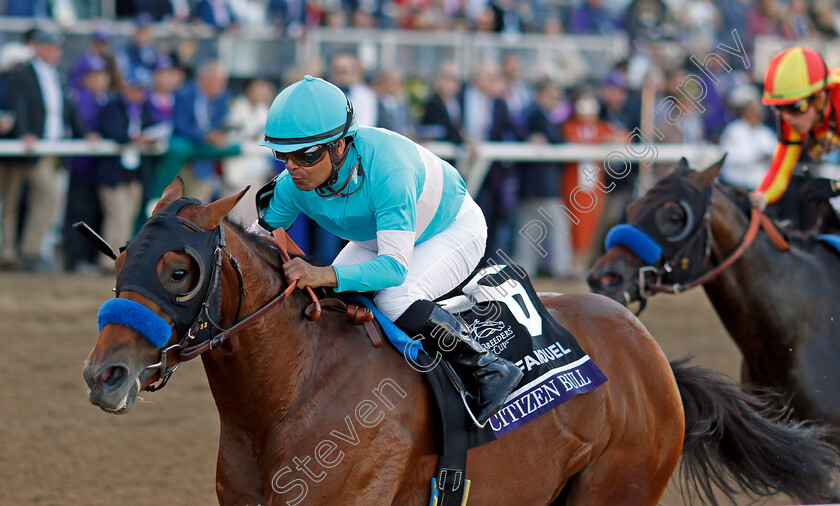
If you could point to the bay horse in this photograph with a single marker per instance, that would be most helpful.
(289, 390)
(779, 304)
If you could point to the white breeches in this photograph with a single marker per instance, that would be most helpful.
(438, 264)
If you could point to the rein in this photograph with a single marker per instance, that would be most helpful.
(757, 218)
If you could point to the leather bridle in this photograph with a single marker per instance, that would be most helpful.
(186, 349)
(663, 269)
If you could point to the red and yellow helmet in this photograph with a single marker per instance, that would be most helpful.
(794, 73)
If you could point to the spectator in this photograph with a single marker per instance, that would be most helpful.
(291, 15)
(592, 18)
(749, 143)
(825, 19)
(346, 73)
(443, 114)
(716, 114)
(734, 15)
(538, 190)
(215, 13)
(12, 56)
(124, 119)
(678, 125)
(361, 18)
(647, 20)
(248, 113)
(487, 118)
(486, 21)
(141, 51)
(394, 113)
(167, 78)
(764, 19)
(519, 94)
(98, 49)
(622, 110)
(199, 116)
(334, 18)
(508, 16)
(41, 110)
(796, 22)
(702, 22)
(82, 200)
(581, 180)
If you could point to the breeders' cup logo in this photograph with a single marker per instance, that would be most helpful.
(485, 329)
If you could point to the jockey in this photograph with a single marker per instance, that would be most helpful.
(805, 96)
(414, 233)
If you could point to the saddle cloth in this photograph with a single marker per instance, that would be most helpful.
(507, 318)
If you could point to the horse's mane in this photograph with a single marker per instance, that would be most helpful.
(740, 197)
(264, 246)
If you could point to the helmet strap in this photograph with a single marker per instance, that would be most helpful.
(324, 190)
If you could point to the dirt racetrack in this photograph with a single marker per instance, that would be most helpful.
(56, 448)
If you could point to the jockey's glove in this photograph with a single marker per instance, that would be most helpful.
(820, 188)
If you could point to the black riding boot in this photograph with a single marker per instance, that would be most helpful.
(495, 377)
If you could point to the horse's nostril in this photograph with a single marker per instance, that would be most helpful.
(601, 280)
(610, 279)
(113, 376)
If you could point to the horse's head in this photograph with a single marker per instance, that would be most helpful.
(665, 239)
(168, 299)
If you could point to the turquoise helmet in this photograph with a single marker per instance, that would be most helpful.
(307, 113)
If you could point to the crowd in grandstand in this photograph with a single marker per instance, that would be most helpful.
(140, 94)
(641, 19)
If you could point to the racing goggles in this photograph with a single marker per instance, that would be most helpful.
(305, 157)
(801, 106)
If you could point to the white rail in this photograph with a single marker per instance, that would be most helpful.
(473, 161)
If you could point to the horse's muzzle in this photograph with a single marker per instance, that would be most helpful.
(606, 282)
(110, 388)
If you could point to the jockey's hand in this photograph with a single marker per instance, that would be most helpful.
(820, 189)
(309, 275)
(758, 201)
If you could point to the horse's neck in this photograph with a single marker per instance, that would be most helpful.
(275, 378)
(746, 295)
(259, 376)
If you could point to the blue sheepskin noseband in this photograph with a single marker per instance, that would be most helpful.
(637, 241)
(137, 317)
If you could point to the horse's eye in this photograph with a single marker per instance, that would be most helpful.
(179, 275)
(670, 218)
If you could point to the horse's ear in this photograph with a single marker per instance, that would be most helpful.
(682, 164)
(707, 177)
(173, 192)
(211, 215)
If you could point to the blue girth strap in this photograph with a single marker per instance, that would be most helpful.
(137, 317)
(637, 241)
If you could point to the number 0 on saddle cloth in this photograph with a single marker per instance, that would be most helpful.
(506, 317)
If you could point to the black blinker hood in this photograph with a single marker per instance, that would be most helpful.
(165, 232)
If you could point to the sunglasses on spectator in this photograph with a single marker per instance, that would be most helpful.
(801, 106)
(305, 157)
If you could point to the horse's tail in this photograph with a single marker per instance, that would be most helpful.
(736, 441)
